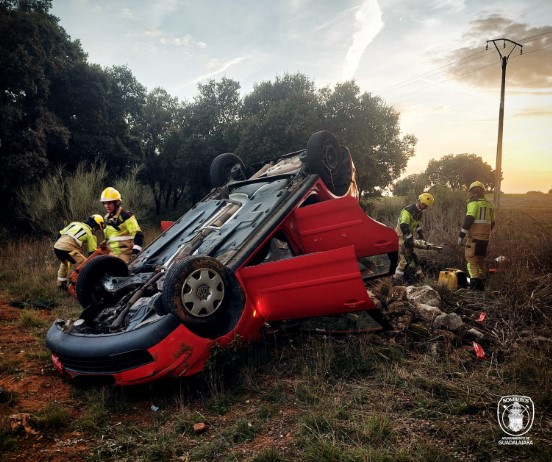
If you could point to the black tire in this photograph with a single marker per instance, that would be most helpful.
(330, 161)
(197, 290)
(221, 169)
(90, 293)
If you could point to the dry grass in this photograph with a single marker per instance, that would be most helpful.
(28, 269)
(301, 396)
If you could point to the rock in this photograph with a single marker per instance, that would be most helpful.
(200, 428)
(401, 323)
(24, 424)
(423, 294)
(427, 312)
(397, 308)
(450, 321)
(398, 293)
(474, 334)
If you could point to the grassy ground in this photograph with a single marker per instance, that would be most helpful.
(299, 396)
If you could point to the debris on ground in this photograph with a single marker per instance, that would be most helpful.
(37, 304)
(24, 424)
(420, 312)
(200, 428)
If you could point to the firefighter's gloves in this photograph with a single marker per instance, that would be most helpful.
(409, 244)
(461, 241)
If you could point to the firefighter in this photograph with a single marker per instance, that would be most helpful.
(478, 223)
(122, 232)
(409, 223)
(73, 241)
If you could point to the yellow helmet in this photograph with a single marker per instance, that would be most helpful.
(98, 219)
(110, 194)
(477, 184)
(426, 198)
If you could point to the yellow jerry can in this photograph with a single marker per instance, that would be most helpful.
(453, 279)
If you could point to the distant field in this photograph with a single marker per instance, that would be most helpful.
(538, 207)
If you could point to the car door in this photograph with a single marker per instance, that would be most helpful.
(338, 223)
(317, 284)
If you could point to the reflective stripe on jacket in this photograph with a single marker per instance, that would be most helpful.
(122, 231)
(480, 212)
(409, 222)
(82, 234)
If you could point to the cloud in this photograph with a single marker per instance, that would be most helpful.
(454, 5)
(219, 67)
(534, 112)
(127, 13)
(477, 67)
(175, 40)
(368, 24)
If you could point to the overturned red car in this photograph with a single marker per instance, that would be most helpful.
(281, 244)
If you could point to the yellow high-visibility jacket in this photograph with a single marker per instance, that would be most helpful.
(122, 232)
(479, 220)
(75, 236)
(409, 223)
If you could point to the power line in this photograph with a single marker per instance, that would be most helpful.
(455, 77)
(437, 70)
(532, 38)
(459, 62)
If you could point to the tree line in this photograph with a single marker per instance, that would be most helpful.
(59, 112)
(454, 171)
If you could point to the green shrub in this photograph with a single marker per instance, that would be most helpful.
(62, 197)
(384, 209)
(268, 455)
(96, 413)
(53, 418)
(243, 430)
(29, 319)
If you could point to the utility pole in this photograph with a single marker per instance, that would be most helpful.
(504, 62)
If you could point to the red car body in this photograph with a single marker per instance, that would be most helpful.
(317, 274)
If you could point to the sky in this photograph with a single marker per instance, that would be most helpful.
(426, 58)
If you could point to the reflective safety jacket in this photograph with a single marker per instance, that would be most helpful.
(409, 222)
(122, 232)
(75, 236)
(479, 219)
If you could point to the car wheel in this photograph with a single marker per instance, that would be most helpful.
(197, 290)
(89, 289)
(225, 167)
(330, 161)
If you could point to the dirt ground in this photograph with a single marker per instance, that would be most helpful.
(29, 384)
